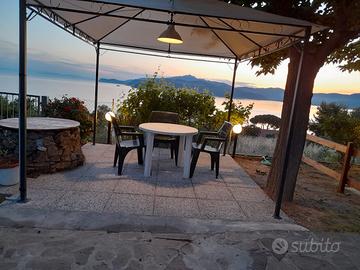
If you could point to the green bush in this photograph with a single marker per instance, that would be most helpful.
(73, 109)
(194, 108)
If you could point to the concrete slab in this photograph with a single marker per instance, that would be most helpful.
(96, 188)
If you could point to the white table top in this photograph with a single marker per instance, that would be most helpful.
(40, 123)
(168, 129)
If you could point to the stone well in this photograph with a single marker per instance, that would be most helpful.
(53, 143)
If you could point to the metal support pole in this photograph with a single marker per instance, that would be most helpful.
(96, 91)
(232, 89)
(290, 131)
(231, 99)
(22, 99)
(109, 133)
(235, 144)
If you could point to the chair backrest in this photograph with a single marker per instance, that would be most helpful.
(117, 129)
(164, 117)
(224, 133)
(225, 130)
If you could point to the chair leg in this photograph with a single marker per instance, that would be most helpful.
(116, 155)
(172, 150)
(140, 156)
(212, 161)
(217, 163)
(194, 162)
(122, 154)
(176, 151)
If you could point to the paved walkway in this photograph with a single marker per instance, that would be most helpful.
(95, 187)
(40, 249)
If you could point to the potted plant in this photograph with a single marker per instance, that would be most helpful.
(9, 168)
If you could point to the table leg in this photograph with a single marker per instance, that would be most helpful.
(148, 154)
(187, 156)
(181, 151)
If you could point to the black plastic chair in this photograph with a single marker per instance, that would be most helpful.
(210, 142)
(124, 145)
(173, 142)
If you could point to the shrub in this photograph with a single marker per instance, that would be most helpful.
(194, 108)
(73, 109)
(251, 130)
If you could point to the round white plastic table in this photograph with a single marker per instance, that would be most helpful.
(185, 133)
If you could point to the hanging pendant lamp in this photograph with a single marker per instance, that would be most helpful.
(170, 35)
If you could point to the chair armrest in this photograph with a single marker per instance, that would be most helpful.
(132, 133)
(127, 127)
(202, 133)
(135, 135)
(211, 139)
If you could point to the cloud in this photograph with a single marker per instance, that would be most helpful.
(45, 64)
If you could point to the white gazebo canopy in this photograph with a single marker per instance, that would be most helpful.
(208, 27)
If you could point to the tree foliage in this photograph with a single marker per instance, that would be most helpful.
(266, 121)
(194, 108)
(335, 122)
(251, 130)
(339, 44)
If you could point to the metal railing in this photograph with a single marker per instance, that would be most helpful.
(9, 105)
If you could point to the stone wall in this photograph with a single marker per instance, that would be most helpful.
(47, 151)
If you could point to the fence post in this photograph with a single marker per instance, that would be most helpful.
(44, 102)
(345, 168)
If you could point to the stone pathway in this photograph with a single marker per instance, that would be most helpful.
(40, 249)
(95, 187)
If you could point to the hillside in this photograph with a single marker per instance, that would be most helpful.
(219, 89)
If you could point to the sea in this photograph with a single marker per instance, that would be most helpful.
(110, 94)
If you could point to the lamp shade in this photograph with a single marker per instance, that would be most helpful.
(109, 115)
(237, 129)
(170, 36)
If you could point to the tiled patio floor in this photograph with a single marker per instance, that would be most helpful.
(95, 187)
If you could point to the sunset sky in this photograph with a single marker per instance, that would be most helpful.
(52, 49)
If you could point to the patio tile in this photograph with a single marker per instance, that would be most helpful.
(182, 189)
(221, 210)
(83, 201)
(43, 198)
(198, 180)
(213, 193)
(51, 184)
(258, 211)
(179, 207)
(171, 176)
(128, 186)
(249, 194)
(238, 181)
(95, 185)
(130, 204)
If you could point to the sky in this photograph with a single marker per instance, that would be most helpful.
(54, 52)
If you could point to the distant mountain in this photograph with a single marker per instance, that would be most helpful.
(219, 89)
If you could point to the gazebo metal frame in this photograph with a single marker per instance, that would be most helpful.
(51, 16)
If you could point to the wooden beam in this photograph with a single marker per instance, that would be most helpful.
(356, 153)
(345, 168)
(353, 183)
(338, 147)
(322, 168)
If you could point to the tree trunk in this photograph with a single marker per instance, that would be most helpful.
(301, 119)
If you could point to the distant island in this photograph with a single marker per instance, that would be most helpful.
(219, 89)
